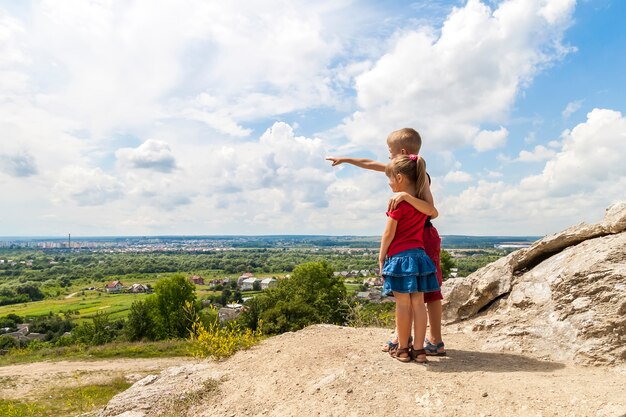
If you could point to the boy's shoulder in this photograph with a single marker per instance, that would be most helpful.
(403, 207)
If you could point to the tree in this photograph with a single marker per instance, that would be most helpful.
(171, 294)
(446, 263)
(141, 322)
(256, 286)
(225, 297)
(312, 295)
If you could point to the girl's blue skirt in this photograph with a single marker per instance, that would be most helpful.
(409, 271)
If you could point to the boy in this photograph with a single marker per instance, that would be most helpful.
(405, 142)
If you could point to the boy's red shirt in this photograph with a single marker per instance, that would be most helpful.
(410, 228)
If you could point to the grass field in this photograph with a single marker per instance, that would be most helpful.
(87, 305)
(89, 302)
(92, 302)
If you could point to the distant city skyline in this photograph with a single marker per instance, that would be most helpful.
(122, 118)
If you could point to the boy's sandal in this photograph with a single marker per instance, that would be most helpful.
(434, 350)
(416, 353)
(391, 345)
(402, 351)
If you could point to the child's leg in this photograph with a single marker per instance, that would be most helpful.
(432, 246)
(419, 319)
(403, 318)
(392, 342)
(434, 320)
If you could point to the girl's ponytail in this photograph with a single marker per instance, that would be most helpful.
(421, 182)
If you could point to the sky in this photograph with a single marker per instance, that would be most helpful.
(204, 117)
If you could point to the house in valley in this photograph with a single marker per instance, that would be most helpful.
(268, 283)
(197, 279)
(114, 287)
(138, 288)
(248, 284)
(244, 277)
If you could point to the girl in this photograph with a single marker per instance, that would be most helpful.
(406, 268)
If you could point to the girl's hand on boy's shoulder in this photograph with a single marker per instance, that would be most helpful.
(335, 160)
(396, 199)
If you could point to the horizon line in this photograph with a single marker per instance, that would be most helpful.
(64, 237)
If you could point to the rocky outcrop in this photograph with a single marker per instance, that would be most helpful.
(164, 394)
(563, 298)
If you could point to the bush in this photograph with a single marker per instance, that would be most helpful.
(10, 321)
(100, 331)
(215, 341)
(52, 326)
(371, 314)
(8, 342)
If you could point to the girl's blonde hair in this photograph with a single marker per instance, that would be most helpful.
(413, 167)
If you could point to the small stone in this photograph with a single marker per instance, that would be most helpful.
(349, 391)
(485, 394)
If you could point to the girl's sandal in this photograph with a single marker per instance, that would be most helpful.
(419, 355)
(401, 351)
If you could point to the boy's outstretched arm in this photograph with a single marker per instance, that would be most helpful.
(359, 162)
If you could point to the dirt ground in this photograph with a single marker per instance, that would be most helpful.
(337, 371)
(28, 381)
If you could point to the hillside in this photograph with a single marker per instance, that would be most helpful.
(518, 334)
(337, 371)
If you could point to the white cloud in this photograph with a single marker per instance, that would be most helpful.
(79, 81)
(458, 176)
(122, 66)
(487, 140)
(448, 83)
(539, 153)
(217, 120)
(576, 184)
(289, 168)
(18, 165)
(86, 187)
(152, 154)
(571, 108)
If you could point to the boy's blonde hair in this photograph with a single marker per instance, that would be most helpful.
(413, 168)
(407, 139)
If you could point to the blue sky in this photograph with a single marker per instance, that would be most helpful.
(122, 118)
